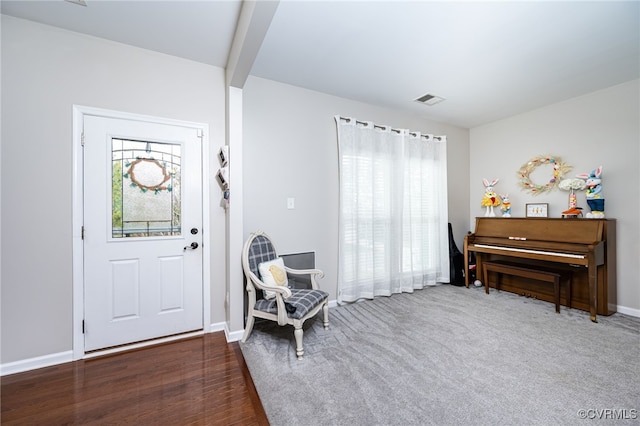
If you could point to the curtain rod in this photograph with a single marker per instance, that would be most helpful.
(376, 126)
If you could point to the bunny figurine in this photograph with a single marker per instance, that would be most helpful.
(594, 193)
(490, 198)
(506, 205)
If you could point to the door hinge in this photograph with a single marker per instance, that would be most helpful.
(82, 326)
(200, 133)
(82, 233)
(82, 139)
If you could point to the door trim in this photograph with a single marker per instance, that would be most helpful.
(79, 112)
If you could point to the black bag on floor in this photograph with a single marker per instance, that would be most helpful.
(456, 262)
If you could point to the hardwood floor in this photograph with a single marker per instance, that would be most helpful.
(197, 381)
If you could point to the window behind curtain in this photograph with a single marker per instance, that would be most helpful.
(393, 211)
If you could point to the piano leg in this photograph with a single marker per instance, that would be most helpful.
(593, 286)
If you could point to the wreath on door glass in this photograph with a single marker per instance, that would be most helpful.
(144, 187)
(559, 170)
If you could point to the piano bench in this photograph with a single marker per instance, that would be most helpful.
(552, 276)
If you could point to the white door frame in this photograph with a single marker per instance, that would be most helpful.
(79, 112)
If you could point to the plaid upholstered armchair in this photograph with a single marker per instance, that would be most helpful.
(269, 294)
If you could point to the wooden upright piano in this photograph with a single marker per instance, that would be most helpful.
(585, 247)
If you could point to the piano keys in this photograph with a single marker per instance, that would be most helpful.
(586, 247)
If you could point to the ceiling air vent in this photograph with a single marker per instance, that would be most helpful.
(429, 99)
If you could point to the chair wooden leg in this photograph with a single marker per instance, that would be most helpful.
(298, 332)
(325, 316)
(248, 328)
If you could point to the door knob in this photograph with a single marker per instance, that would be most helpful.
(193, 246)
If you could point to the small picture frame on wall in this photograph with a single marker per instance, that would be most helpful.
(537, 210)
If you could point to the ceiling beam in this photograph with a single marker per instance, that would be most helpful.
(253, 24)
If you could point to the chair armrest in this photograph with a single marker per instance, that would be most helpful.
(314, 274)
(279, 289)
(282, 293)
(304, 271)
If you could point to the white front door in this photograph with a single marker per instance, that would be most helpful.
(142, 231)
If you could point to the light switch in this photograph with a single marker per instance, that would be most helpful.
(291, 203)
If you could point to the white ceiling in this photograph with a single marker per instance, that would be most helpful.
(490, 60)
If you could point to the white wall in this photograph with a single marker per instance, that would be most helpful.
(45, 71)
(601, 128)
(290, 151)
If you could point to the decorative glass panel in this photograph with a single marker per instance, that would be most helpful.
(145, 189)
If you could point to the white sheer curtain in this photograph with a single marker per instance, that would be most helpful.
(393, 210)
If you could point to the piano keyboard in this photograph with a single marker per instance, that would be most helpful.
(548, 253)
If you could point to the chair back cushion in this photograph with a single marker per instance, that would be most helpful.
(261, 250)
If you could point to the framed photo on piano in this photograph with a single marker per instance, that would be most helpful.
(537, 210)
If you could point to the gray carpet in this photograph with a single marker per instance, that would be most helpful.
(450, 355)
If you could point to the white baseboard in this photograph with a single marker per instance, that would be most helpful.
(233, 336)
(35, 363)
(67, 356)
(628, 311)
(218, 326)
